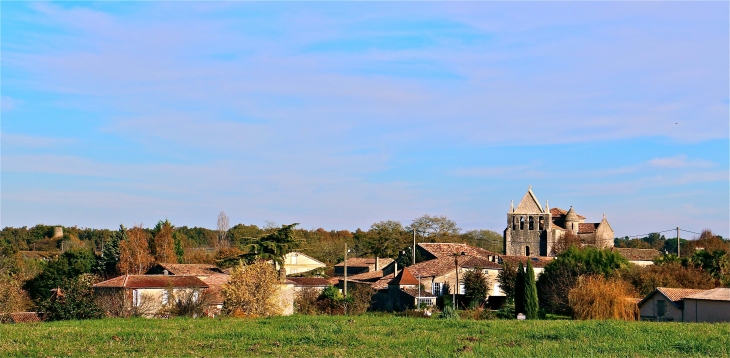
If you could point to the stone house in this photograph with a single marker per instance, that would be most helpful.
(297, 262)
(533, 230)
(640, 257)
(149, 294)
(358, 265)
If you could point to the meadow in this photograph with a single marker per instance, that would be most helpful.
(358, 336)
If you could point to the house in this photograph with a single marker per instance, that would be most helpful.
(404, 292)
(430, 251)
(641, 257)
(312, 283)
(297, 262)
(665, 304)
(148, 294)
(356, 265)
(708, 306)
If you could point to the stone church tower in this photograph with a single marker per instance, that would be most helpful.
(533, 230)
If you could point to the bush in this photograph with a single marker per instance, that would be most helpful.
(449, 313)
(596, 297)
(476, 287)
(507, 312)
(668, 274)
(305, 301)
(76, 301)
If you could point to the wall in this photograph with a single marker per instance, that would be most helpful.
(649, 309)
(706, 311)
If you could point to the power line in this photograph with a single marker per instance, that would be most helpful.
(655, 232)
(690, 231)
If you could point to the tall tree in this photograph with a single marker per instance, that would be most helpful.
(520, 289)
(179, 249)
(134, 253)
(435, 228)
(252, 291)
(110, 255)
(223, 227)
(164, 244)
(385, 239)
(531, 302)
(507, 277)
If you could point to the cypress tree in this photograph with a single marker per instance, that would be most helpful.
(531, 304)
(520, 290)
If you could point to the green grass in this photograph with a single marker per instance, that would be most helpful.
(369, 335)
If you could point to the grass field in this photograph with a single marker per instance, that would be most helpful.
(360, 336)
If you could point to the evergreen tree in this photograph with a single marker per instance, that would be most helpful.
(179, 250)
(520, 290)
(531, 305)
(110, 255)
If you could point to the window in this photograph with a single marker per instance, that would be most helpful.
(436, 288)
(522, 223)
(527, 251)
(165, 297)
(462, 288)
(661, 308)
(496, 290)
(136, 299)
(541, 223)
(514, 223)
(532, 223)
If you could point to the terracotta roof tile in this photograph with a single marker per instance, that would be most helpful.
(632, 254)
(24, 317)
(190, 269)
(382, 283)
(558, 212)
(414, 292)
(587, 228)
(435, 267)
(365, 262)
(215, 284)
(537, 262)
(405, 277)
(441, 249)
(481, 262)
(152, 281)
(717, 294)
(367, 276)
(678, 294)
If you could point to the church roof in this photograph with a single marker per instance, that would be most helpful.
(558, 212)
(529, 204)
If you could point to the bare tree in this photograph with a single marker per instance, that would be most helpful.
(223, 227)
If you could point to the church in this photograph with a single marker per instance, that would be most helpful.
(533, 230)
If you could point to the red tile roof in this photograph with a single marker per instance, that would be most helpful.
(435, 267)
(441, 249)
(367, 276)
(382, 283)
(481, 262)
(717, 294)
(587, 228)
(152, 281)
(537, 262)
(678, 294)
(365, 262)
(215, 284)
(414, 292)
(632, 254)
(310, 281)
(558, 212)
(24, 317)
(405, 277)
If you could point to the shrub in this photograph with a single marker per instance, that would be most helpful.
(476, 287)
(668, 274)
(188, 303)
(596, 297)
(507, 276)
(252, 290)
(449, 313)
(305, 301)
(76, 301)
(507, 312)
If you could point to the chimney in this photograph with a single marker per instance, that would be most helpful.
(377, 263)
(395, 272)
(282, 274)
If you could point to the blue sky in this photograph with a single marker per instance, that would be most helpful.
(339, 115)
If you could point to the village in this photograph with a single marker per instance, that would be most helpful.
(433, 278)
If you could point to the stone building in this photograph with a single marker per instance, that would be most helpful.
(533, 230)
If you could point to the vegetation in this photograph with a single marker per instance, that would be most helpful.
(507, 278)
(531, 305)
(476, 287)
(74, 301)
(596, 297)
(520, 289)
(363, 336)
(134, 252)
(252, 291)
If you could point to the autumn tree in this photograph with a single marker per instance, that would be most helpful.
(252, 291)
(566, 241)
(134, 253)
(596, 297)
(164, 243)
(12, 296)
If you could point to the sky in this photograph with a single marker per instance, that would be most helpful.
(340, 115)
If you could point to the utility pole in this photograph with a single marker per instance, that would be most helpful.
(677, 241)
(414, 247)
(345, 271)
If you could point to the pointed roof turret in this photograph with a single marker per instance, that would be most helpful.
(571, 215)
(404, 278)
(529, 204)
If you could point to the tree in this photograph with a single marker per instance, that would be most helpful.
(179, 250)
(223, 227)
(666, 274)
(12, 296)
(561, 274)
(164, 243)
(76, 301)
(134, 253)
(566, 241)
(520, 289)
(110, 255)
(476, 287)
(385, 239)
(531, 301)
(435, 228)
(485, 239)
(273, 246)
(252, 290)
(507, 280)
(67, 266)
(596, 297)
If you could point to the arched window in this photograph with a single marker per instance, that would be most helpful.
(532, 223)
(527, 251)
(541, 223)
(514, 223)
(522, 223)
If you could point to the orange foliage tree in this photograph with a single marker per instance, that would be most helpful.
(134, 253)
(596, 297)
(164, 243)
(252, 291)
